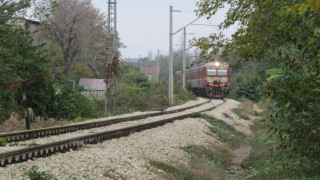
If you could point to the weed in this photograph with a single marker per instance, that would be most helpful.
(177, 173)
(3, 141)
(33, 144)
(245, 109)
(15, 144)
(247, 105)
(225, 132)
(219, 159)
(147, 167)
(80, 119)
(206, 163)
(241, 113)
(34, 174)
(109, 173)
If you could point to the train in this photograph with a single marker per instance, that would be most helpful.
(210, 79)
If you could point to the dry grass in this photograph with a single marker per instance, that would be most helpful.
(239, 123)
(248, 106)
(14, 123)
(17, 123)
(245, 110)
(205, 164)
(42, 123)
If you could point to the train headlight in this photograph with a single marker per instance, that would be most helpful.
(217, 64)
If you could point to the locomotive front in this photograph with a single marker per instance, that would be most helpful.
(217, 79)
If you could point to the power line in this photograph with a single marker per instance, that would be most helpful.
(205, 25)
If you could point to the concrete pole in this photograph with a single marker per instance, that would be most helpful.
(184, 58)
(170, 60)
(158, 66)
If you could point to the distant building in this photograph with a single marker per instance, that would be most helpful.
(130, 60)
(151, 72)
(94, 88)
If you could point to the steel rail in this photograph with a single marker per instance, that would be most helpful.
(24, 154)
(51, 131)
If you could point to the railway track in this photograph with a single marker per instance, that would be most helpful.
(48, 149)
(52, 131)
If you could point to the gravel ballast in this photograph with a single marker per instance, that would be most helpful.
(126, 157)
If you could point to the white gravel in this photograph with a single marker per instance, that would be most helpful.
(188, 104)
(126, 157)
(224, 113)
(103, 129)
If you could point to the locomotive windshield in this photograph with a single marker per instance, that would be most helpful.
(211, 72)
(222, 72)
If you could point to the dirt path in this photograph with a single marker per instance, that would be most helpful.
(236, 171)
(240, 154)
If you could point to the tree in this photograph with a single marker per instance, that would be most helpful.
(285, 33)
(79, 30)
(20, 60)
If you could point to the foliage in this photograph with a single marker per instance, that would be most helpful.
(246, 86)
(182, 94)
(138, 93)
(34, 174)
(247, 80)
(3, 141)
(266, 161)
(21, 60)
(285, 33)
(80, 119)
(80, 71)
(78, 29)
(70, 103)
(41, 96)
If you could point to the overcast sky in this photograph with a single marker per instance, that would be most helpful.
(143, 25)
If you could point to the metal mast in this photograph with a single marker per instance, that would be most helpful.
(112, 23)
(111, 46)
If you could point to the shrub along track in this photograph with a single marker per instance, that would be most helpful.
(44, 150)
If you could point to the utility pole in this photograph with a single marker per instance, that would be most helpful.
(158, 65)
(112, 35)
(170, 60)
(184, 56)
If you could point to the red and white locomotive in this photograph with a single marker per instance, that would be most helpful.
(210, 79)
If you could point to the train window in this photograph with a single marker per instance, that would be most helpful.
(211, 72)
(222, 72)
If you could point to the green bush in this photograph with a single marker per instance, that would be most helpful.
(8, 103)
(247, 86)
(34, 174)
(138, 93)
(41, 96)
(70, 103)
(3, 141)
(181, 94)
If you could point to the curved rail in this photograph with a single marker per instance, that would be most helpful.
(51, 131)
(45, 150)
